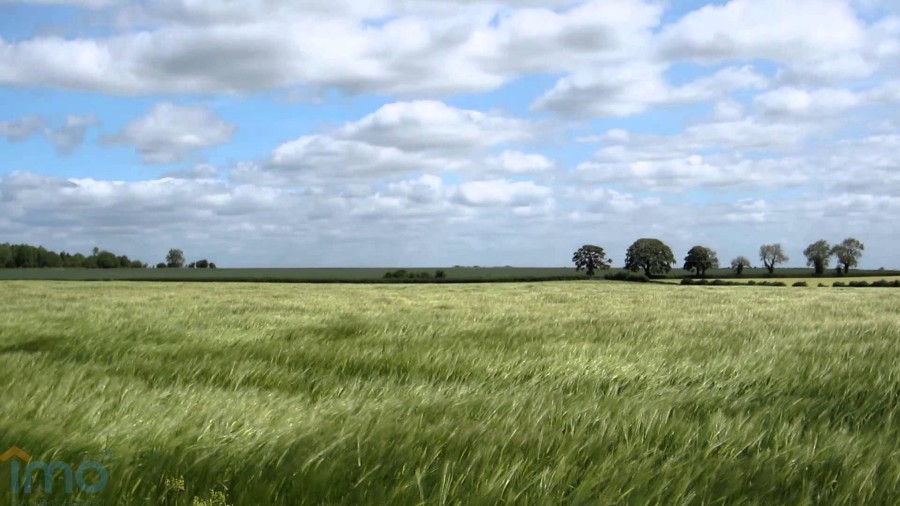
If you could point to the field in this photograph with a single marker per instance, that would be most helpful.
(519, 393)
(811, 281)
(309, 275)
(376, 274)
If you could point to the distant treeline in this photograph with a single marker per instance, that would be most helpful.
(26, 256)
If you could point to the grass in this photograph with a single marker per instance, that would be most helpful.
(307, 275)
(571, 393)
(376, 274)
(812, 281)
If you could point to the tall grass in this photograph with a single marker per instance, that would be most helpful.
(574, 393)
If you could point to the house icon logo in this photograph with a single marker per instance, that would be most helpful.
(15, 451)
(16, 456)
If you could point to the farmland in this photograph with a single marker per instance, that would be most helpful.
(376, 274)
(528, 393)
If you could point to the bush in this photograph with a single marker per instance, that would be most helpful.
(800, 284)
(838, 284)
(633, 277)
(687, 281)
(859, 284)
(751, 283)
(773, 283)
(821, 285)
(440, 274)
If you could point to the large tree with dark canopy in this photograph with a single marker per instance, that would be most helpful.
(818, 256)
(739, 264)
(651, 255)
(701, 259)
(848, 253)
(590, 258)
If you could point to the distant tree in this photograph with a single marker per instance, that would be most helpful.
(77, 260)
(175, 259)
(701, 259)
(106, 260)
(651, 255)
(590, 258)
(739, 264)
(772, 255)
(202, 264)
(212, 265)
(818, 255)
(161, 265)
(137, 264)
(848, 253)
(6, 256)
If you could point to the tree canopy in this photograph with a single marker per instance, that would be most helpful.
(818, 255)
(701, 259)
(175, 259)
(651, 255)
(590, 258)
(26, 256)
(848, 253)
(772, 255)
(739, 264)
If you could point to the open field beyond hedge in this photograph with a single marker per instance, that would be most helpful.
(519, 393)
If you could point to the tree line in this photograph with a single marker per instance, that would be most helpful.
(175, 260)
(655, 258)
(26, 256)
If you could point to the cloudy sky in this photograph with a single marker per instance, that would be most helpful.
(443, 132)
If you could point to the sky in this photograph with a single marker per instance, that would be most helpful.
(325, 133)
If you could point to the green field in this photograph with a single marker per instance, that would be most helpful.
(811, 281)
(374, 274)
(518, 393)
(309, 275)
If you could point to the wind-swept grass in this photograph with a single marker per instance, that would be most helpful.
(573, 393)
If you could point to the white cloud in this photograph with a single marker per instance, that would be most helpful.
(169, 133)
(770, 29)
(633, 88)
(66, 137)
(516, 162)
(500, 192)
(21, 128)
(398, 138)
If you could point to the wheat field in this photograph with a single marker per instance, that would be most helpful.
(541, 393)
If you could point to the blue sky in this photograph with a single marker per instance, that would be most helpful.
(444, 132)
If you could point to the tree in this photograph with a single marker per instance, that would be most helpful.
(818, 255)
(700, 259)
(161, 265)
(175, 259)
(6, 256)
(739, 264)
(106, 260)
(848, 253)
(202, 264)
(590, 258)
(772, 255)
(652, 255)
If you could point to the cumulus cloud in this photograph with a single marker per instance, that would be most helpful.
(169, 133)
(398, 138)
(65, 137)
(21, 128)
(633, 88)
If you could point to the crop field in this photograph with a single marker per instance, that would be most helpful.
(811, 281)
(311, 275)
(376, 274)
(519, 393)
